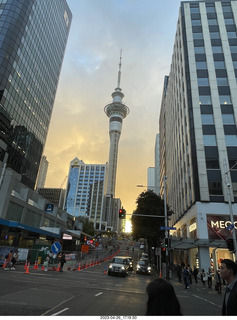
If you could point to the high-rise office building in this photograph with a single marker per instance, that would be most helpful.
(42, 173)
(33, 37)
(151, 178)
(157, 165)
(198, 141)
(85, 191)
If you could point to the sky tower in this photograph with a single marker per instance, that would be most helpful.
(116, 111)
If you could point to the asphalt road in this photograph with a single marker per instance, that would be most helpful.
(91, 292)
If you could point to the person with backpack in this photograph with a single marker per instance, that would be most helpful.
(8, 258)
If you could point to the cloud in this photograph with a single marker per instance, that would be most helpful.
(79, 127)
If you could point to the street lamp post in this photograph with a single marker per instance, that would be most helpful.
(166, 231)
(230, 205)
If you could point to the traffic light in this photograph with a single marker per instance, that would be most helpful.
(122, 213)
(230, 244)
(166, 242)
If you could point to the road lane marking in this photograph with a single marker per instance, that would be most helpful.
(98, 294)
(206, 300)
(55, 314)
(58, 305)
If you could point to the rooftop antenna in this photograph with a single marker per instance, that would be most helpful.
(119, 73)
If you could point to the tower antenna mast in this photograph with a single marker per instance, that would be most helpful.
(119, 73)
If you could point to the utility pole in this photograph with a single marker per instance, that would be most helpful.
(166, 232)
(230, 205)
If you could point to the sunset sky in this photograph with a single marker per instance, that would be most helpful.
(145, 32)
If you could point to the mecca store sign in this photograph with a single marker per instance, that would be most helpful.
(219, 227)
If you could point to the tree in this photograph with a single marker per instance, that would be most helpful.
(149, 203)
(88, 226)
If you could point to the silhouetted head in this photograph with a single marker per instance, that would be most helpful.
(162, 299)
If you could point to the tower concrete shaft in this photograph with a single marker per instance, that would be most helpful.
(116, 111)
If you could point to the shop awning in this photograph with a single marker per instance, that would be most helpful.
(18, 225)
(185, 243)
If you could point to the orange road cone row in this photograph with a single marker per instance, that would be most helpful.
(58, 268)
(79, 267)
(35, 265)
(28, 268)
(25, 267)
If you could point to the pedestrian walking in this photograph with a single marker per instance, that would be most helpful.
(8, 258)
(217, 278)
(195, 274)
(209, 278)
(190, 273)
(228, 273)
(14, 259)
(46, 263)
(203, 278)
(62, 261)
(162, 299)
(185, 274)
(179, 272)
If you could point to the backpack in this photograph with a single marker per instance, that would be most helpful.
(7, 256)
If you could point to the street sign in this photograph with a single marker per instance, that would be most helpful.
(230, 227)
(167, 228)
(56, 247)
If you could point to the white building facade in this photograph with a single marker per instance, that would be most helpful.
(198, 140)
(85, 191)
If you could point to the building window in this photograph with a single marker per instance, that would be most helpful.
(202, 82)
(212, 163)
(199, 50)
(212, 22)
(225, 99)
(228, 119)
(194, 10)
(201, 65)
(214, 35)
(207, 119)
(231, 140)
(219, 64)
(210, 8)
(229, 21)
(204, 99)
(215, 188)
(197, 35)
(231, 34)
(222, 81)
(209, 140)
(217, 49)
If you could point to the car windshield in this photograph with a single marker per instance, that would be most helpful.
(119, 260)
(142, 262)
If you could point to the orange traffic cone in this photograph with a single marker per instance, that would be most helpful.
(28, 268)
(42, 267)
(58, 268)
(25, 267)
(79, 267)
(5, 263)
(36, 265)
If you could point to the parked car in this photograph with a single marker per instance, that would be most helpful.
(143, 267)
(119, 266)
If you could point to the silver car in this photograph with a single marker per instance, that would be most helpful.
(119, 266)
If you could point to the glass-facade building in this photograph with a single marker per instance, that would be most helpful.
(33, 37)
(198, 133)
(85, 191)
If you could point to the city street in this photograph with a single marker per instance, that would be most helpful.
(92, 292)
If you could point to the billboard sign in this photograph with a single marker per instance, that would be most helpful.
(220, 227)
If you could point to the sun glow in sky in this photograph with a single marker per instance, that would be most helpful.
(128, 226)
(145, 30)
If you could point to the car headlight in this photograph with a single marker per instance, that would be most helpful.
(138, 267)
(110, 266)
(149, 268)
(122, 268)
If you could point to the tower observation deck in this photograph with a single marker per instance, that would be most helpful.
(116, 111)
